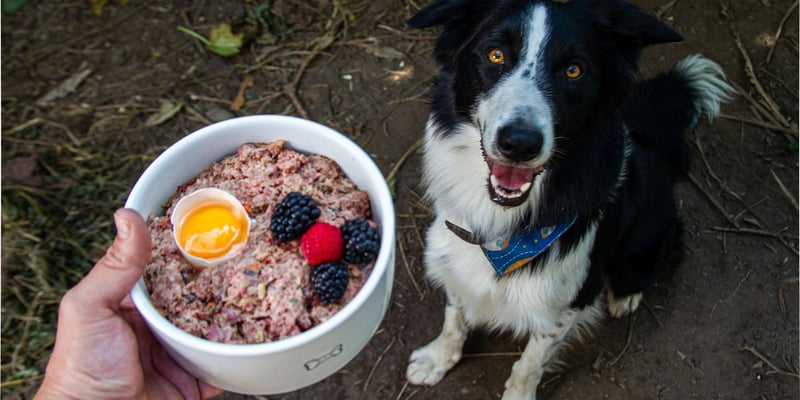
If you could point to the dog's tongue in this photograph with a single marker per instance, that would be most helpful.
(512, 178)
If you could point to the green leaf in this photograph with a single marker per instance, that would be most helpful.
(221, 40)
(13, 5)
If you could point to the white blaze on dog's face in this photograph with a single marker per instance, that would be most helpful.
(515, 117)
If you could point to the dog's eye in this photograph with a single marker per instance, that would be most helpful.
(573, 71)
(496, 56)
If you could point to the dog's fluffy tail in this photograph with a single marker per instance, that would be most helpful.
(668, 105)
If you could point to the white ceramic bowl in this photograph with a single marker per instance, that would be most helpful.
(311, 356)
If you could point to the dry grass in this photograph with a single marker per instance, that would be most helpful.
(63, 177)
(56, 221)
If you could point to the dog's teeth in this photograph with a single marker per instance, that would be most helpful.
(524, 188)
(493, 181)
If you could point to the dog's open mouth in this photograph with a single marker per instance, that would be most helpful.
(510, 185)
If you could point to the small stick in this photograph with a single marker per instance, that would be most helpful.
(402, 390)
(713, 201)
(289, 90)
(780, 30)
(377, 362)
(408, 270)
(321, 45)
(785, 190)
(755, 352)
(759, 232)
(496, 354)
(409, 152)
(646, 305)
(750, 71)
(776, 128)
(781, 300)
(627, 342)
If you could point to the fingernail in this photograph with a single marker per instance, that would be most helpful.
(123, 226)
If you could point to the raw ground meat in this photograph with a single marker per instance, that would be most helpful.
(265, 294)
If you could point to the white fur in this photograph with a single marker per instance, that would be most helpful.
(536, 305)
(521, 98)
(708, 79)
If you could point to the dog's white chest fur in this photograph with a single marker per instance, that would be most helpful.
(523, 302)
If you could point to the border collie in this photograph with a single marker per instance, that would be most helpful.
(550, 166)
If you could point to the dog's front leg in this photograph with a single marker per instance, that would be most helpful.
(527, 371)
(429, 363)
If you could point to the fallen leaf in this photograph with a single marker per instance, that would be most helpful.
(220, 39)
(97, 6)
(13, 5)
(64, 88)
(20, 168)
(167, 110)
(385, 52)
(223, 41)
(239, 100)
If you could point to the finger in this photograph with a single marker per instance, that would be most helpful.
(115, 274)
(207, 391)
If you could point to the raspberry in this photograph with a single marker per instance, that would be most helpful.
(361, 241)
(330, 281)
(321, 243)
(293, 215)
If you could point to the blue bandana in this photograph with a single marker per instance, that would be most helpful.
(509, 254)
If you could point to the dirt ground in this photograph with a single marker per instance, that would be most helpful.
(724, 326)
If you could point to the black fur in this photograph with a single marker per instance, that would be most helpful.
(640, 234)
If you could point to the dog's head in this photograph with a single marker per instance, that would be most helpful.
(533, 76)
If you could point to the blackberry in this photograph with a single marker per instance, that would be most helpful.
(361, 241)
(293, 215)
(330, 281)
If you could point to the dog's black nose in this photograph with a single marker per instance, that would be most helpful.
(519, 143)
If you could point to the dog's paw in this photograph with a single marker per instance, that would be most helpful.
(514, 394)
(621, 307)
(427, 365)
(521, 384)
(518, 391)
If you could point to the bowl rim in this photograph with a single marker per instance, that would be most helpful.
(140, 295)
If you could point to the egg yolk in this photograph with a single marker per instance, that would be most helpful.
(211, 230)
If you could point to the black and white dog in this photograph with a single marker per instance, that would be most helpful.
(550, 166)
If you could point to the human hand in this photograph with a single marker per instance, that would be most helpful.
(103, 347)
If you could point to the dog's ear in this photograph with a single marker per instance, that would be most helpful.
(437, 13)
(460, 20)
(631, 26)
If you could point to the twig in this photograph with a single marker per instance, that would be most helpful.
(776, 128)
(752, 350)
(785, 190)
(197, 115)
(408, 270)
(402, 390)
(321, 45)
(646, 305)
(16, 382)
(781, 300)
(663, 9)
(751, 74)
(780, 30)
(627, 342)
(19, 128)
(713, 201)
(409, 152)
(738, 286)
(496, 354)
(377, 362)
(759, 232)
(289, 90)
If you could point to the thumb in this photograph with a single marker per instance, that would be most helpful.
(115, 274)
